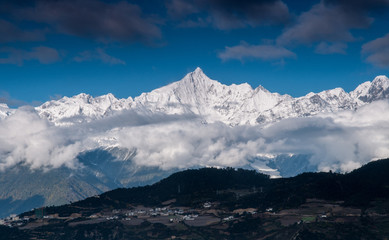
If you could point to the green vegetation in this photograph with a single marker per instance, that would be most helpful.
(308, 219)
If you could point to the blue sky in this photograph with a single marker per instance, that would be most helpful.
(50, 49)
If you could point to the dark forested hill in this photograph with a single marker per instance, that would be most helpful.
(235, 203)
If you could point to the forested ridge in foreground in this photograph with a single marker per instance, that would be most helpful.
(229, 203)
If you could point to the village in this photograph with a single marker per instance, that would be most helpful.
(208, 214)
(134, 216)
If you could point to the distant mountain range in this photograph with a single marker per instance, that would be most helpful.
(108, 165)
(212, 101)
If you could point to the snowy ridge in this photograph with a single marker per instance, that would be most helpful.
(213, 102)
(82, 107)
(368, 92)
(5, 111)
(240, 104)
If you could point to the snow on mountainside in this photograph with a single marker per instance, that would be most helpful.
(212, 101)
(240, 104)
(5, 111)
(372, 91)
(82, 107)
(309, 105)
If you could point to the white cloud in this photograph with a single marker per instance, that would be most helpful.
(27, 139)
(341, 141)
(189, 143)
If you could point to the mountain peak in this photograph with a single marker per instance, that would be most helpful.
(198, 70)
(380, 78)
(198, 74)
(81, 96)
(371, 91)
(381, 81)
(197, 77)
(108, 97)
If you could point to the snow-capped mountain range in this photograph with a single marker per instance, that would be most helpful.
(84, 160)
(212, 101)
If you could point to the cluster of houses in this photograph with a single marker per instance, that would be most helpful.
(176, 215)
(13, 220)
(207, 205)
(172, 214)
(155, 212)
(229, 218)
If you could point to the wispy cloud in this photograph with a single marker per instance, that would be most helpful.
(98, 55)
(94, 19)
(264, 52)
(377, 51)
(42, 54)
(229, 14)
(323, 23)
(9, 32)
(331, 21)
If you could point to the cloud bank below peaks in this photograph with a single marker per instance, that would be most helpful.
(27, 139)
(342, 141)
(339, 141)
